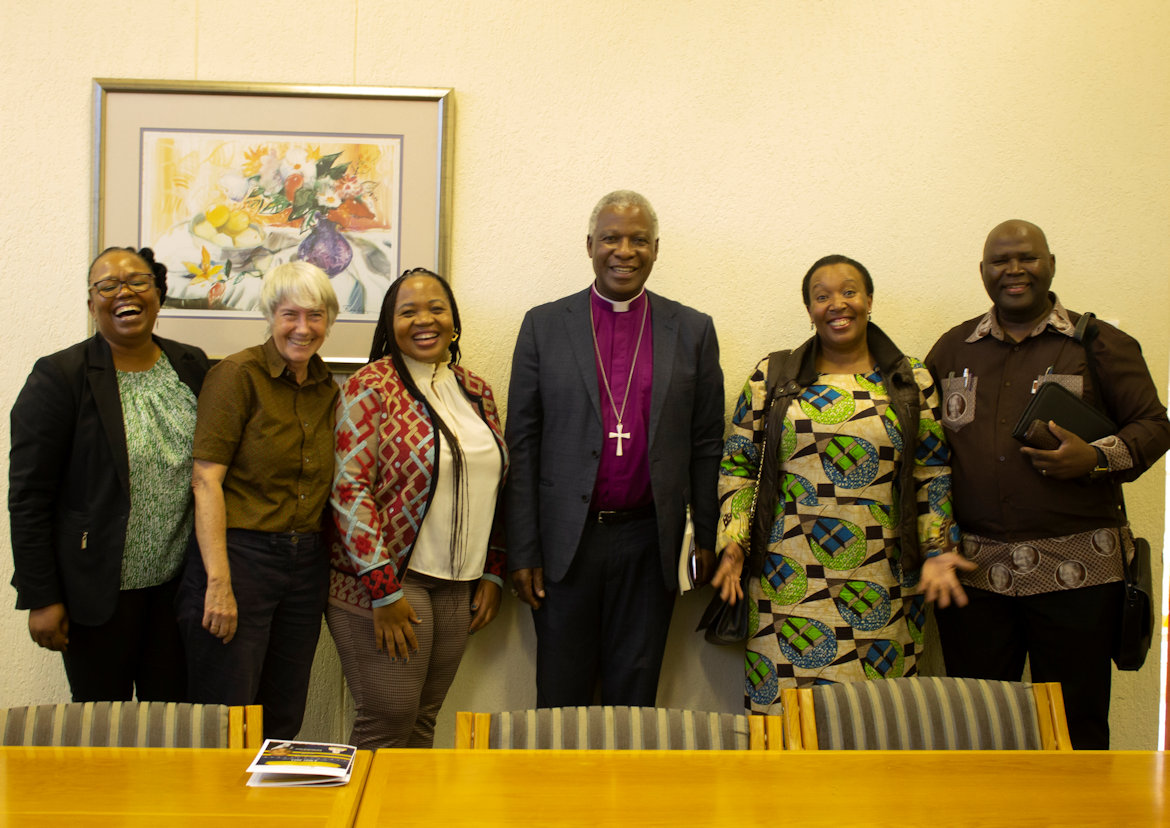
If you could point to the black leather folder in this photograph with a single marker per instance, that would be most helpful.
(1052, 401)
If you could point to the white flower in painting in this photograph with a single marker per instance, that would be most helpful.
(235, 186)
(328, 198)
(270, 177)
(296, 160)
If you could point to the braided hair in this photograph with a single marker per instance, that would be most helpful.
(384, 344)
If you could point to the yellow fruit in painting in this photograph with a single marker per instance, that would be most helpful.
(204, 230)
(248, 238)
(237, 222)
(217, 215)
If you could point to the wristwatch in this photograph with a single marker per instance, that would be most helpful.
(1102, 467)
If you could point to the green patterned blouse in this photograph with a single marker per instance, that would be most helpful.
(158, 412)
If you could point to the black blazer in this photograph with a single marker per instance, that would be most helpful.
(555, 437)
(69, 478)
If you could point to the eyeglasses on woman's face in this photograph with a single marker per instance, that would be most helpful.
(137, 282)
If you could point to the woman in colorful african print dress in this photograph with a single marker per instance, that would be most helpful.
(852, 529)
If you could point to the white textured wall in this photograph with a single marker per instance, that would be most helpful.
(765, 133)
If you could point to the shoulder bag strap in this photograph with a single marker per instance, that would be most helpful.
(783, 367)
(1084, 333)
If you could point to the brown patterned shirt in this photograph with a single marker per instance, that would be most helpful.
(1029, 533)
(275, 437)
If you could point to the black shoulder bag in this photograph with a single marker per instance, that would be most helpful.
(1135, 628)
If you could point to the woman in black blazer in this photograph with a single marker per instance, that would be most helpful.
(105, 418)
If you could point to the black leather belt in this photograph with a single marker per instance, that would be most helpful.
(622, 515)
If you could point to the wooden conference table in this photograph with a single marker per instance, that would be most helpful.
(180, 787)
(444, 788)
(163, 787)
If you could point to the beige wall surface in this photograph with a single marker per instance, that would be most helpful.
(766, 134)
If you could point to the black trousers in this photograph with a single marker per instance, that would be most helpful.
(607, 619)
(138, 652)
(1067, 636)
(281, 584)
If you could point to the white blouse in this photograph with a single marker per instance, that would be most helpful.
(481, 480)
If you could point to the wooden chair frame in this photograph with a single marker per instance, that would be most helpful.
(1051, 716)
(765, 732)
(246, 726)
(472, 730)
(800, 724)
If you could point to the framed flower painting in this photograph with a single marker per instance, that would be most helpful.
(227, 180)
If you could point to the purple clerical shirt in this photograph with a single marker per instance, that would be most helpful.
(624, 482)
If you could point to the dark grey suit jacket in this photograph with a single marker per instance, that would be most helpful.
(69, 478)
(554, 432)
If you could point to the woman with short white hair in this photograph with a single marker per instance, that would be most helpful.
(254, 591)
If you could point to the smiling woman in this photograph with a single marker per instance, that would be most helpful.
(839, 299)
(424, 324)
(99, 490)
(419, 560)
(124, 301)
(840, 439)
(263, 467)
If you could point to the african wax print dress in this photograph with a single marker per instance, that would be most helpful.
(833, 603)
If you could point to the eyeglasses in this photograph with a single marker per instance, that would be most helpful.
(137, 282)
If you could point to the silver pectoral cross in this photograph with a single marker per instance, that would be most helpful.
(620, 435)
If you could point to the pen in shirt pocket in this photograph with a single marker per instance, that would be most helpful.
(1036, 383)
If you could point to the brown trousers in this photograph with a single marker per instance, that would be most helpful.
(397, 702)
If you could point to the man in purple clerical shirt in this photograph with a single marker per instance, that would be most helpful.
(614, 428)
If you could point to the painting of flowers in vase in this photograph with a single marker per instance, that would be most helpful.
(221, 209)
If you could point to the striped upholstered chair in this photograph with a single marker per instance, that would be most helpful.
(132, 724)
(927, 713)
(617, 728)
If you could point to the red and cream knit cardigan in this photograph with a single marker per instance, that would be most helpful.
(385, 455)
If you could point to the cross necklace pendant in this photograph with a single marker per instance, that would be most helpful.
(620, 434)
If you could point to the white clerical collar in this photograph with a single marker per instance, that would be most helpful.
(617, 305)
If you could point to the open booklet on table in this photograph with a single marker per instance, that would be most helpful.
(288, 764)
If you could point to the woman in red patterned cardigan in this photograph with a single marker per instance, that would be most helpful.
(418, 560)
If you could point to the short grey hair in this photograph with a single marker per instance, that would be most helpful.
(301, 283)
(623, 200)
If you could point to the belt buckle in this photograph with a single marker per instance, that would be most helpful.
(604, 515)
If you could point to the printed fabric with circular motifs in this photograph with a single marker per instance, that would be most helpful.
(833, 603)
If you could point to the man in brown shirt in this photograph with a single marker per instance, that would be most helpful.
(1043, 526)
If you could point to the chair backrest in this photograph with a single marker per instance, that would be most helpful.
(614, 728)
(927, 713)
(131, 724)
